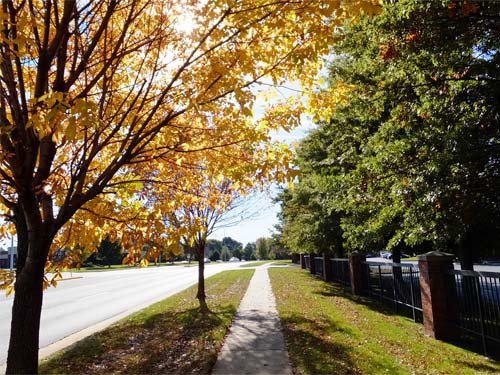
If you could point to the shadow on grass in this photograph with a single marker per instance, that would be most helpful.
(332, 289)
(323, 347)
(480, 368)
(173, 342)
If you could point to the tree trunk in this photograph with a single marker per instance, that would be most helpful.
(25, 326)
(396, 254)
(397, 272)
(467, 262)
(22, 239)
(466, 255)
(201, 296)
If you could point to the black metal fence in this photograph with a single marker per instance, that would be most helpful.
(340, 271)
(478, 303)
(318, 266)
(396, 285)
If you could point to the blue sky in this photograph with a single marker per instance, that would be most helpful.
(263, 219)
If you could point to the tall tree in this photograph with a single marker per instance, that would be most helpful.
(92, 92)
(249, 251)
(109, 252)
(407, 148)
(198, 217)
(232, 245)
(262, 247)
(225, 254)
(213, 249)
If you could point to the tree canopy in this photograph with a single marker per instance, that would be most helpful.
(406, 153)
(101, 100)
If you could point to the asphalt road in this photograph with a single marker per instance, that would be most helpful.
(97, 296)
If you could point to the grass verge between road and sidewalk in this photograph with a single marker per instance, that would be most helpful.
(171, 336)
(329, 331)
(256, 264)
(280, 262)
(115, 267)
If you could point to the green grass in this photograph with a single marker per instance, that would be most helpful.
(114, 267)
(171, 336)
(282, 262)
(329, 331)
(256, 264)
(126, 266)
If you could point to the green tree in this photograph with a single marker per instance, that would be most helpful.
(279, 249)
(238, 252)
(225, 254)
(231, 244)
(407, 150)
(262, 247)
(213, 249)
(307, 224)
(109, 252)
(249, 251)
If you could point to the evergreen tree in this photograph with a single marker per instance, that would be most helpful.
(109, 252)
(249, 251)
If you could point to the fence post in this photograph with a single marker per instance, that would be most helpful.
(439, 296)
(302, 261)
(313, 263)
(356, 272)
(327, 268)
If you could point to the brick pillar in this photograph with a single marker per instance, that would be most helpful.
(439, 296)
(327, 268)
(356, 272)
(313, 264)
(302, 261)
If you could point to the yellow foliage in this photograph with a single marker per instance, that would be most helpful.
(144, 109)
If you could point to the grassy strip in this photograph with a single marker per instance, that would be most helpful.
(256, 264)
(282, 262)
(329, 331)
(115, 267)
(171, 336)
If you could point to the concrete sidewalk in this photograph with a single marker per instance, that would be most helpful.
(255, 344)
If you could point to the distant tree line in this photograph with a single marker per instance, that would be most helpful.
(110, 253)
(262, 248)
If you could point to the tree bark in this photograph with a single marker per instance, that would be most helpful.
(466, 255)
(22, 239)
(397, 272)
(396, 255)
(201, 296)
(25, 325)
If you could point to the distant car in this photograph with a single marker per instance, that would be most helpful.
(385, 255)
(234, 259)
(388, 255)
(206, 260)
(218, 261)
